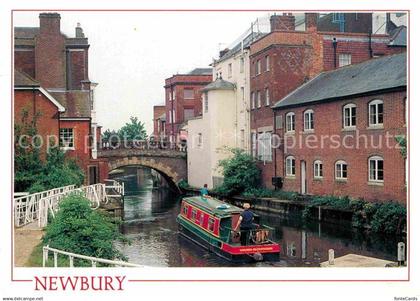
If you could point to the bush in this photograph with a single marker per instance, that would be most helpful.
(79, 229)
(240, 172)
(268, 193)
(389, 218)
(183, 184)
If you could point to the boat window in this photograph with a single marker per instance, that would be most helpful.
(201, 219)
(211, 224)
(185, 210)
(194, 214)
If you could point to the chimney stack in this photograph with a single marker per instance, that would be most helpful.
(285, 22)
(79, 31)
(311, 21)
(49, 23)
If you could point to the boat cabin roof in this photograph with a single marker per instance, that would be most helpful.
(213, 206)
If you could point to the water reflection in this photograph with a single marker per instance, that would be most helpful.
(150, 223)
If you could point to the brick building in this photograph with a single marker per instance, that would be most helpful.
(285, 58)
(59, 64)
(183, 98)
(159, 120)
(338, 132)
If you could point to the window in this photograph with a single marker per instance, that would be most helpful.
(290, 122)
(254, 144)
(188, 114)
(230, 70)
(185, 210)
(200, 140)
(258, 95)
(194, 214)
(171, 116)
(67, 138)
(376, 169)
(201, 218)
(267, 97)
(376, 112)
(318, 169)
(279, 122)
(241, 65)
(267, 63)
(206, 102)
(264, 147)
(344, 59)
(242, 93)
(341, 170)
(258, 67)
(211, 224)
(349, 116)
(308, 120)
(188, 93)
(290, 166)
(252, 101)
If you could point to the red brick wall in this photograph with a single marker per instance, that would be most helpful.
(157, 112)
(34, 102)
(25, 61)
(328, 122)
(77, 70)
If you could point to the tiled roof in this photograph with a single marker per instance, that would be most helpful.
(399, 36)
(374, 75)
(26, 32)
(24, 80)
(201, 71)
(219, 84)
(77, 103)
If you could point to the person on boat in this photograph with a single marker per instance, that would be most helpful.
(204, 192)
(245, 222)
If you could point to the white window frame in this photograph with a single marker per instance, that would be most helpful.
(267, 97)
(349, 108)
(264, 150)
(258, 95)
(375, 104)
(344, 59)
(267, 63)
(339, 170)
(258, 67)
(290, 122)
(290, 166)
(318, 172)
(252, 100)
(308, 120)
(254, 144)
(67, 138)
(373, 175)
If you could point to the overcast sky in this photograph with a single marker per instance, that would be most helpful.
(131, 53)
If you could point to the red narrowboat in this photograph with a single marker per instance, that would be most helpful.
(209, 222)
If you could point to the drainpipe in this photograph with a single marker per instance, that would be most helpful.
(370, 44)
(172, 115)
(334, 42)
(275, 150)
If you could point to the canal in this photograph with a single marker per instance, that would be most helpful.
(150, 210)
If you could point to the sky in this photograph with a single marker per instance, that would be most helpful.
(131, 53)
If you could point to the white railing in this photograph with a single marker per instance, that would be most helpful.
(26, 207)
(95, 193)
(93, 260)
(116, 186)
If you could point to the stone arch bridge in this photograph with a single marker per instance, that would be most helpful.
(170, 163)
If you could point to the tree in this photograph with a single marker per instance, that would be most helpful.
(79, 229)
(133, 130)
(240, 172)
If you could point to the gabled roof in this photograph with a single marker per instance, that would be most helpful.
(399, 37)
(77, 103)
(23, 81)
(374, 75)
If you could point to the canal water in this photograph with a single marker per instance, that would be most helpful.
(150, 210)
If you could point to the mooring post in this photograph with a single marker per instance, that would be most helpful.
(71, 261)
(401, 253)
(55, 259)
(43, 257)
(331, 256)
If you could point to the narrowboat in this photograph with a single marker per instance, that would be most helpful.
(209, 223)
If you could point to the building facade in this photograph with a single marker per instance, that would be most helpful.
(339, 131)
(285, 58)
(159, 121)
(60, 65)
(183, 99)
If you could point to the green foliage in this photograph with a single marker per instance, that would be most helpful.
(269, 193)
(240, 172)
(389, 218)
(33, 172)
(342, 203)
(79, 229)
(133, 130)
(402, 141)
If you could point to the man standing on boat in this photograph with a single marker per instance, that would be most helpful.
(204, 192)
(246, 224)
